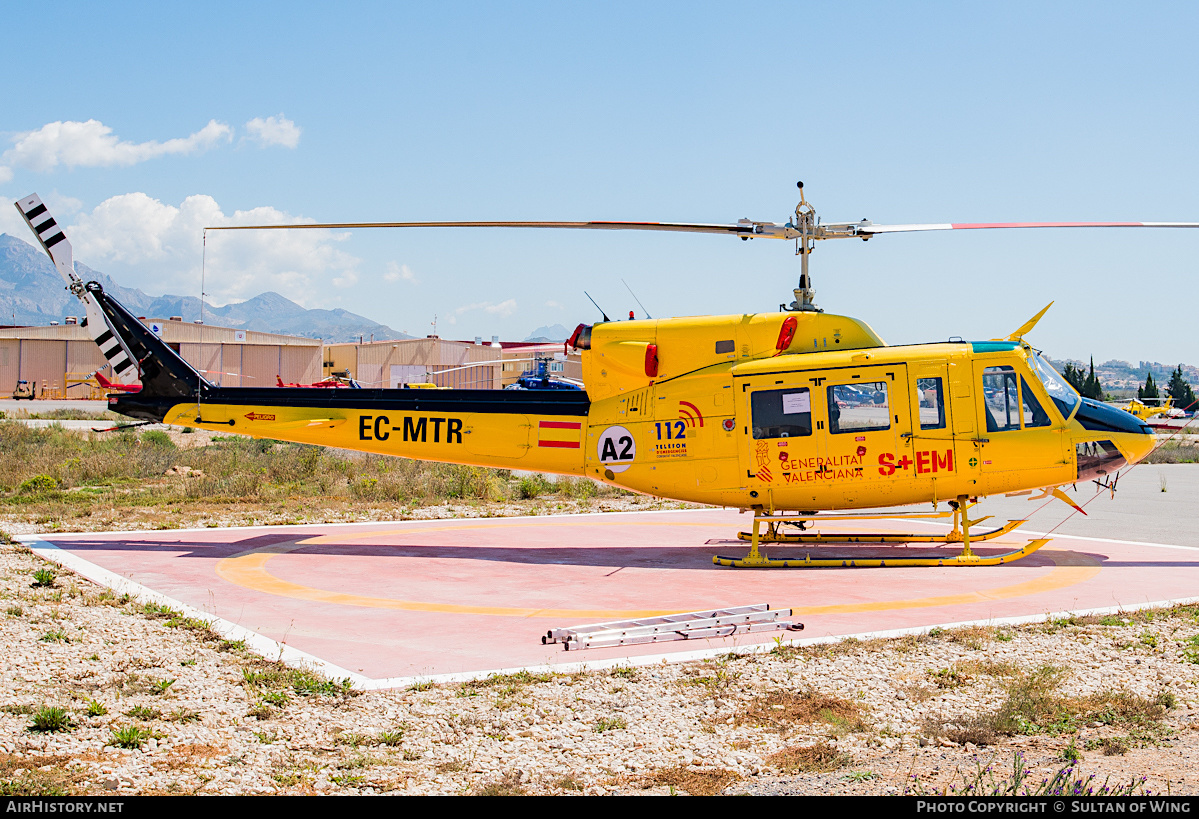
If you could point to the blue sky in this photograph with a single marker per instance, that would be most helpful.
(140, 123)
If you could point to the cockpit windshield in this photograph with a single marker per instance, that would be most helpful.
(1059, 389)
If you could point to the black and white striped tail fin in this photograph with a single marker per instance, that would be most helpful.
(50, 236)
(123, 369)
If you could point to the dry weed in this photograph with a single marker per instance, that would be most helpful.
(61, 780)
(783, 709)
(818, 758)
(689, 780)
(972, 636)
(509, 784)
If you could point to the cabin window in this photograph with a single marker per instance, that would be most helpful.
(1001, 399)
(725, 347)
(1007, 408)
(858, 407)
(1034, 415)
(781, 413)
(932, 403)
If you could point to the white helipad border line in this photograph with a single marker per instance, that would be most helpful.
(764, 648)
(260, 644)
(270, 648)
(1074, 537)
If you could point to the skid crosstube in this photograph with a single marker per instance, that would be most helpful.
(858, 562)
(775, 536)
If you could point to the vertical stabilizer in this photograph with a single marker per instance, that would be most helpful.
(50, 236)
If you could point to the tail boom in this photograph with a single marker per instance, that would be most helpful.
(496, 428)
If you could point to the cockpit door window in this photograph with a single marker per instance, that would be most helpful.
(1001, 399)
(931, 396)
(1033, 414)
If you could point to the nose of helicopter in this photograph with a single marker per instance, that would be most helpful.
(1140, 444)
(1111, 436)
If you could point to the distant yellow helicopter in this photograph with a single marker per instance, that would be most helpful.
(1164, 406)
(780, 413)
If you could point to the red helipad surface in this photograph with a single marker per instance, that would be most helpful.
(423, 598)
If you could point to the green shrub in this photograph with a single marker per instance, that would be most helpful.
(184, 715)
(131, 736)
(37, 485)
(472, 482)
(534, 485)
(609, 724)
(143, 713)
(160, 686)
(580, 488)
(50, 718)
(157, 437)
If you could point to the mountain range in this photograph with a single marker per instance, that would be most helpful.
(555, 332)
(32, 293)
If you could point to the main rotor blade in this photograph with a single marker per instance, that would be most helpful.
(743, 228)
(876, 229)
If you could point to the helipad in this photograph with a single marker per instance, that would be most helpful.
(388, 602)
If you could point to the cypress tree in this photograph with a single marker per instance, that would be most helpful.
(1074, 376)
(1149, 390)
(1091, 388)
(1180, 390)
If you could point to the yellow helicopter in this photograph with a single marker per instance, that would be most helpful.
(783, 414)
(1144, 411)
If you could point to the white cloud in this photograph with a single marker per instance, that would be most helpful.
(60, 205)
(274, 131)
(11, 221)
(503, 309)
(5, 174)
(553, 304)
(399, 272)
(92, 144)
(145, 243)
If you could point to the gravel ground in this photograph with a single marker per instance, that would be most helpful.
(884, 717)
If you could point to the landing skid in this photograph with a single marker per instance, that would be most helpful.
(961, 534)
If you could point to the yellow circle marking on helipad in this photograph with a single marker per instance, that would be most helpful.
(248, 569)
(490, 522)
(1069, 568)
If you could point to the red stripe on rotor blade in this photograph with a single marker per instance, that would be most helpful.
(560, 425)
(979, 225)
(560, 444)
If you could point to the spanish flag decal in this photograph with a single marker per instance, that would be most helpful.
(561, 434)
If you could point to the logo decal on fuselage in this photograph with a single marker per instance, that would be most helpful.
(616, 449)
